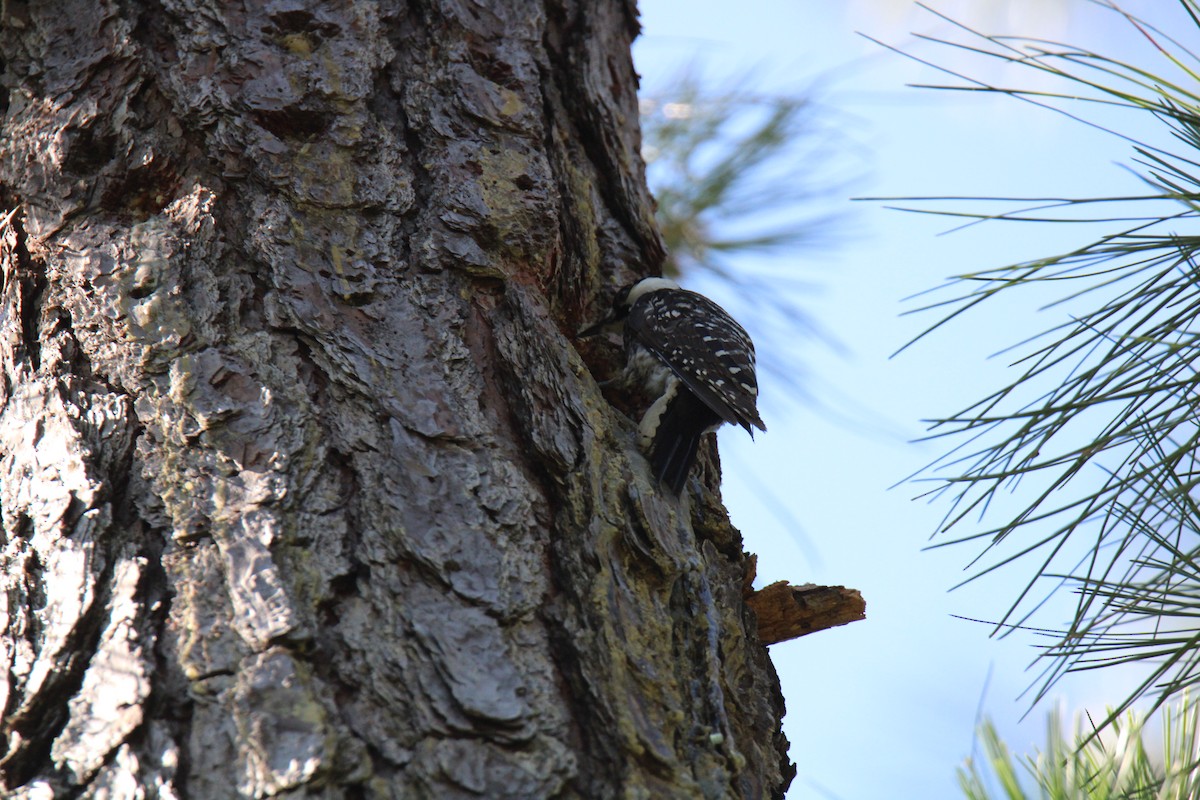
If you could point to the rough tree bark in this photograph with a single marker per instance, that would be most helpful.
(305, 489)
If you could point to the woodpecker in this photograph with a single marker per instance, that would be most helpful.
(688, 352)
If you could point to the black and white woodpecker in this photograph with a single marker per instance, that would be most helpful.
(688, 352)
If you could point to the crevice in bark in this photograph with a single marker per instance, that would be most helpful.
(35, 591)
(502, 390)
(341, 588)
(31, 278)
(151, 28)
(588, 128)
(296, 122)
(169, 701)
(143, 189)
(164, 146)
(299, 20)
(406, 34)
(91, 149)
(694, 633)
(570, 279)
(346, 586)
(590, 730)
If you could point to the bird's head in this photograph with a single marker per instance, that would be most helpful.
(624, 300)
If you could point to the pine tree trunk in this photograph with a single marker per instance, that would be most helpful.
(305, 488)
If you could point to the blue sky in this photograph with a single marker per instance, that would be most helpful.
(886, 708)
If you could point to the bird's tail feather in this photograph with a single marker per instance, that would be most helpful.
(677, 439)
(673, 462)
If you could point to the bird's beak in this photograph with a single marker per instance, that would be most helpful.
(598, 327)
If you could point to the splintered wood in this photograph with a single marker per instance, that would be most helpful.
(787, 612)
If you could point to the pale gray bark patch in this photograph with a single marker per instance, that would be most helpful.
(202, 637)
(461, 640)
(108, 706)
(281, 725)
(43, 473)
(262, 611)
(146, 771)
(61, 441)
(460, 769)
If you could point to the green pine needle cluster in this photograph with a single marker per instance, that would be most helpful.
(1098, 434)
(1118, 765)
(735, 172)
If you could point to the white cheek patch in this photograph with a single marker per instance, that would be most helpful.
(653, 415)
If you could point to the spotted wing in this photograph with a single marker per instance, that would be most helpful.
(705, 347)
